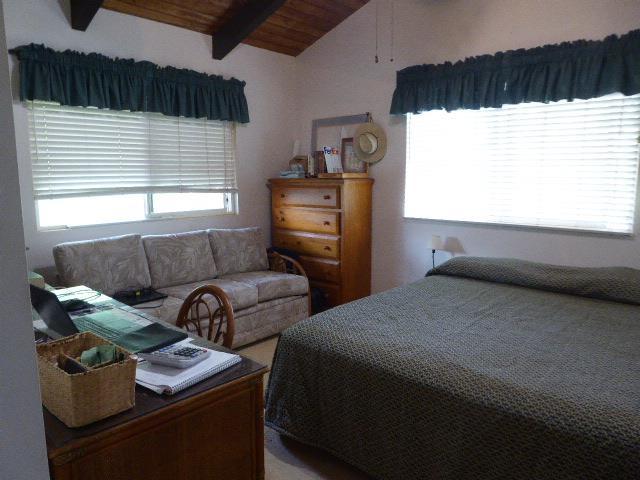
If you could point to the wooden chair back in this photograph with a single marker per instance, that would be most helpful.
(208, 303)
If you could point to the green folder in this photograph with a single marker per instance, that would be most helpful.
(149, 338)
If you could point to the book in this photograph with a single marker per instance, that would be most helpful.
(169, 380)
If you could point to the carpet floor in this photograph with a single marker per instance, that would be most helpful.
(286, 459)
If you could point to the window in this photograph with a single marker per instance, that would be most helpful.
(93, 166)
(570, 165)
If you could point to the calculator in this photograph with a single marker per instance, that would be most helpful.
(177, 356)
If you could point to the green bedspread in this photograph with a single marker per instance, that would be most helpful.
(481, 370)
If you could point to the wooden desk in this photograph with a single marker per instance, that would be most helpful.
(212, 430)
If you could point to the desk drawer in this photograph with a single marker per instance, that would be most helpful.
(321, 269)
(314, 245)
(306, 220)
(325, 197)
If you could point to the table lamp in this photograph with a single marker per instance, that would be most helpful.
(436, 244)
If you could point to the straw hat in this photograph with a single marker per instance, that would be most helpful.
(370, 142)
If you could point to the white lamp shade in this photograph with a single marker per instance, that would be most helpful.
(453, 246)
(436, 242)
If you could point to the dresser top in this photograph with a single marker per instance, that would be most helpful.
(318, 181)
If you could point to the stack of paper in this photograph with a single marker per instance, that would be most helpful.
(169, 380)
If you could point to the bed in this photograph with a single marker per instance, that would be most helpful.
(486, 368)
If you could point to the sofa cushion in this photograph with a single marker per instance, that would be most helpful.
(180, 258)
(238, 250)
(105, 264)
(268, 318)
(166, 309)
(272, 285)
(241, 295)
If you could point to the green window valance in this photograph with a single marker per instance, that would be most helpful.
(566, 71)
(79, 79)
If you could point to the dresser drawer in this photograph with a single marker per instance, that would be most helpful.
(325, 197)
(321, 269)
(306, 220)
(314, 245)
(331, 293)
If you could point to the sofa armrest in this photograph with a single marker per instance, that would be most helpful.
(285, 264)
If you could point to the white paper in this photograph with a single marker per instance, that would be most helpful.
(161, 378)
(333, 163)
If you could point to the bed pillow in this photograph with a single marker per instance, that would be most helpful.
(618, 284)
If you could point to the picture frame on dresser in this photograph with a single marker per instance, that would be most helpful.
(351, 163)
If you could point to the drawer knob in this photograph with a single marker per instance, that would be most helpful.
(298, 242)
(282, 219)
(282, 195)
(327, 223)
(327, 248)
(327, 197)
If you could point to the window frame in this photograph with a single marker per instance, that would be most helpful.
(531, 228)
(231, 202)
(520, 226)
(230, 199)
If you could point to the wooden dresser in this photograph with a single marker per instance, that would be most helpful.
(328, 223)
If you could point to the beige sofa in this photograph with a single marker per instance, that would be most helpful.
(265, 302)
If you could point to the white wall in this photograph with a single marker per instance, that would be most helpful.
(264, 145)
(338, 76)
(22, 445)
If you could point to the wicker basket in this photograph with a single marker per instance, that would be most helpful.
(83, 398)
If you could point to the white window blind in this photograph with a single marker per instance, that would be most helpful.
(570, 165)
(79, 152)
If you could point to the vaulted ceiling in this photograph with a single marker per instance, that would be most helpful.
(293, 27)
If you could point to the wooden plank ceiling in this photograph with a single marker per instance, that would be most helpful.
(291, 29)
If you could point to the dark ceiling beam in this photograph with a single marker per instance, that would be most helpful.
(242, 24)
(82, 12)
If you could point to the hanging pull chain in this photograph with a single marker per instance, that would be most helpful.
(377, 14)
(393, 22)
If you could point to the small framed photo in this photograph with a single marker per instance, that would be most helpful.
(350, 163)
(302, 161)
